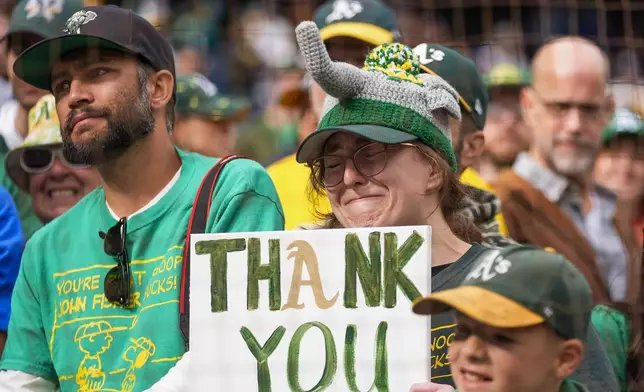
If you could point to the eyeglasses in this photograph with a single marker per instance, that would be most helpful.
(118, 279)
(589, 111)
(369, 160)
(39, 160)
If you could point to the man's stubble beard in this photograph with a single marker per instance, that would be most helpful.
(572, 165)
(124, 128)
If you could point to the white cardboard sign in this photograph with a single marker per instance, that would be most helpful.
(309, 310)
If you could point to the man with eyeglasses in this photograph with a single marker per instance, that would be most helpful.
(39, 167)
(96, 302)
(549, 198)
(31, 22)
(505, 131)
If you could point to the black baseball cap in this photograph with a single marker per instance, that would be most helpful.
(461, 73)
(105, 27)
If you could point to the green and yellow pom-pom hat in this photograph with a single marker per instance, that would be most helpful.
(387, 101)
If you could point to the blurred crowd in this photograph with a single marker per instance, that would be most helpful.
(248, 49)
(548, 151)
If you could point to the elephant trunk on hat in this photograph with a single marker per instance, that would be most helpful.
(340, 80)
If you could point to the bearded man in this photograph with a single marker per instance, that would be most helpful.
(549, 197)
(102, 281)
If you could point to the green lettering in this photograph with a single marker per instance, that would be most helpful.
(381, 371)
(395, 260)
(261, 354)
(218, 250)
(357, 263)
(258, 271)
(293, 366)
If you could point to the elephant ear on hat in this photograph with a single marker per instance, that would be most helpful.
(441, 100)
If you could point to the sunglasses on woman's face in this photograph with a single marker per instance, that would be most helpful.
(118, 279)
(39, 160)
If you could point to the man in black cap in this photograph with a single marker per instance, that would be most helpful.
(95, 306)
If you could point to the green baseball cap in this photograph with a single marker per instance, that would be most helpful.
(625, 122)
(198, 95)
(44, 18)
(519, 286)
(507, 75)
(461, 73)
(370, 21)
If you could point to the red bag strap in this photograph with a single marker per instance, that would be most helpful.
(197, 225)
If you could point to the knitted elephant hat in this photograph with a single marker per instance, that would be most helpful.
(387, 101)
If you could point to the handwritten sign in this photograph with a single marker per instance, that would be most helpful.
(310, 310)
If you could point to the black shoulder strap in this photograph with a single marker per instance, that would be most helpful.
(197, 225)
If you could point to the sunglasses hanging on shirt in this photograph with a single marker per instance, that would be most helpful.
(117, 284)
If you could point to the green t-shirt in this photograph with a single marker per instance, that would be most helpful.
(612, 326)
(30, 222)
(63, 328)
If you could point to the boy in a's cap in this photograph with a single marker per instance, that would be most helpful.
(522, 314)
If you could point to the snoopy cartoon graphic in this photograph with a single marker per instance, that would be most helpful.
(137, 355)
